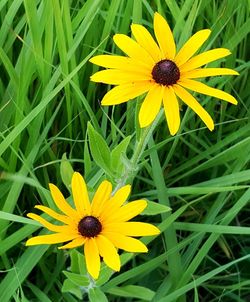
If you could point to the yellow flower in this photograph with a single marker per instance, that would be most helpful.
(101, 226)
(160, 71)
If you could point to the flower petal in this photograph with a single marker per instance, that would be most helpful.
(204, 58)
(108, 252)
(151, 105)
(62, 203)
(92, 257)
(50, 226)
(102, 194)
(191, 46)
(117, 77)
(132, 228)
(74, 243)
(207, 72)
(164, 37)
(51, 239)
(128, 211)
(133, 49)
(126, 243)
(144, 38)
(80, 194)
(125, 92)
(171, 108)
(53, 214)
(188, 99)
(120, 62)
(115, 202)
(205, 89)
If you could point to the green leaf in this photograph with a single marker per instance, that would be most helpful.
(99, 149)
(77, 279)
(70, 287)
(66, 171)
(117, 153)
(96, 295)
(133, 291)
(155, 208)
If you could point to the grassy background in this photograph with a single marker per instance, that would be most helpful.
(46, 100)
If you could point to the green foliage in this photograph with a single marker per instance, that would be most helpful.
(199, 181)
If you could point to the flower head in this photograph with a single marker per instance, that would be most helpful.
(101, 226)
(157, 69)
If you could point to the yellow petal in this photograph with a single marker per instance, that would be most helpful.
(50, 226)
(120, 62)
(102, 194)
(188, 99)
(74, 243)
(125, 92)
(191, 46)
(80, 194)
(117, 77)
(144, 38)
(207, 72)
(204, 89)
(164, 37)
(53, 214)
(171, 108)
(92, 257)
(115, 202)
(204, 58)
(151, 105)
(108, 252)
(61, 202)
(51, 239)
(126, 243)
(133, 49)
(132, 228)
(128, 211)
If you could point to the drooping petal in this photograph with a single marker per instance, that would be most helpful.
(80, 194)
(204, 58)
(192, 46)
(51, 239)
(171, 108)
(121, 63)
(128, 211)
(62, 203)
(133, 49)
(151, 105)
(164, 37)
(102, 194)
(50, 226)
(205, 89)
(115, 202)
(108, 252)
(126, 92)
(117, 77)
(126, 243)
(92, 257)
(53, 214)
(132, 228)
(188, 99)
(74, 243)
(207, 72)
(144, 38)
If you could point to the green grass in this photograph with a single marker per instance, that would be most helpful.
(46, 102)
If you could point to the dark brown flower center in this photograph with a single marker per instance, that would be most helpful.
(166, 73)
(89, 226)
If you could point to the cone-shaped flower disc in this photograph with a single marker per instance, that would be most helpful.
(101, 226)
(156, 69)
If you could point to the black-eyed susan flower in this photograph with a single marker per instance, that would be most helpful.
(161, 72)
(101, 226)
